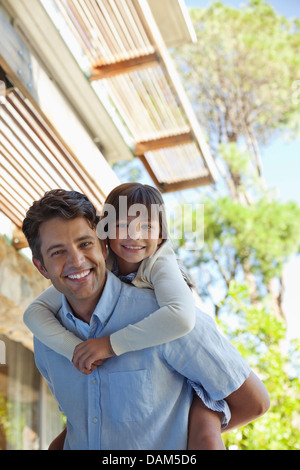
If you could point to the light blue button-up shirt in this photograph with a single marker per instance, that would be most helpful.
(139, 400)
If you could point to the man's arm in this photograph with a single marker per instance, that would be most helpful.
(246, 404)
(59, 441)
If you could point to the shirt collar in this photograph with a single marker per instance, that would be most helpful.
(128, 278)
(107, 302)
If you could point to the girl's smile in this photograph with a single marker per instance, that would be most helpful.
(133, 248)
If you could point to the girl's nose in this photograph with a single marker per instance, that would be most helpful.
(134, 231)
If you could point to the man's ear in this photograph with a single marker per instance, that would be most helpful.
(40, 267)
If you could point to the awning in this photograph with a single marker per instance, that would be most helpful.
(43, 144)
(34, 160)
(129, 62)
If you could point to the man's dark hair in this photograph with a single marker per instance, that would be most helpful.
(56, 203)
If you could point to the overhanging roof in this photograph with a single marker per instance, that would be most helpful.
(130, 65)
(174, 22)
(34, 160)
(141, 83)
(63, 70)
(43, 145)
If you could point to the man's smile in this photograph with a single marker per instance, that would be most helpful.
(79, 275)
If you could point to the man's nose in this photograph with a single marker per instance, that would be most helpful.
(75, 257)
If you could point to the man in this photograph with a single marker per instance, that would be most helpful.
(139, 400)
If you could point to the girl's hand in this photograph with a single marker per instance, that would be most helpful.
(87, 354)
(94, 366)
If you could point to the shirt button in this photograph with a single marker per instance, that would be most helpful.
(95, 382)
(95, 420)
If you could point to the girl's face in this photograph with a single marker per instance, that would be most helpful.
(135, 240)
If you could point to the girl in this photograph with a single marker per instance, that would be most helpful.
(139, 253)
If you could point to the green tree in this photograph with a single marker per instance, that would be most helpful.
(240, 77)
(258, 336)
(3, 420)
(252, 243)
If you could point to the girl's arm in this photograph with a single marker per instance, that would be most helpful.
(174, 318)
(40, 318)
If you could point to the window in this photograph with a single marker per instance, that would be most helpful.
(29, 416)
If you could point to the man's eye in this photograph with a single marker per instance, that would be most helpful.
(85, 244)
(56, 253)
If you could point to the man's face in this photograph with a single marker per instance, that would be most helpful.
(73, 260)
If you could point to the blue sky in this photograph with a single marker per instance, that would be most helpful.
(281, 163)
(289, 8)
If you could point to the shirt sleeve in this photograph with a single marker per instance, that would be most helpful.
(40, 318)
(208, 359)
(175, 317)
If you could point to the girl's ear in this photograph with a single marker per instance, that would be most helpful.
(40, 267)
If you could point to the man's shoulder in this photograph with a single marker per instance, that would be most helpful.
(123, 290)
(129, 290)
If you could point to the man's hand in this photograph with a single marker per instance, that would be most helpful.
(91, 353)
(58, 442)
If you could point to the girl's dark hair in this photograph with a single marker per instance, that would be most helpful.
(56, 203)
